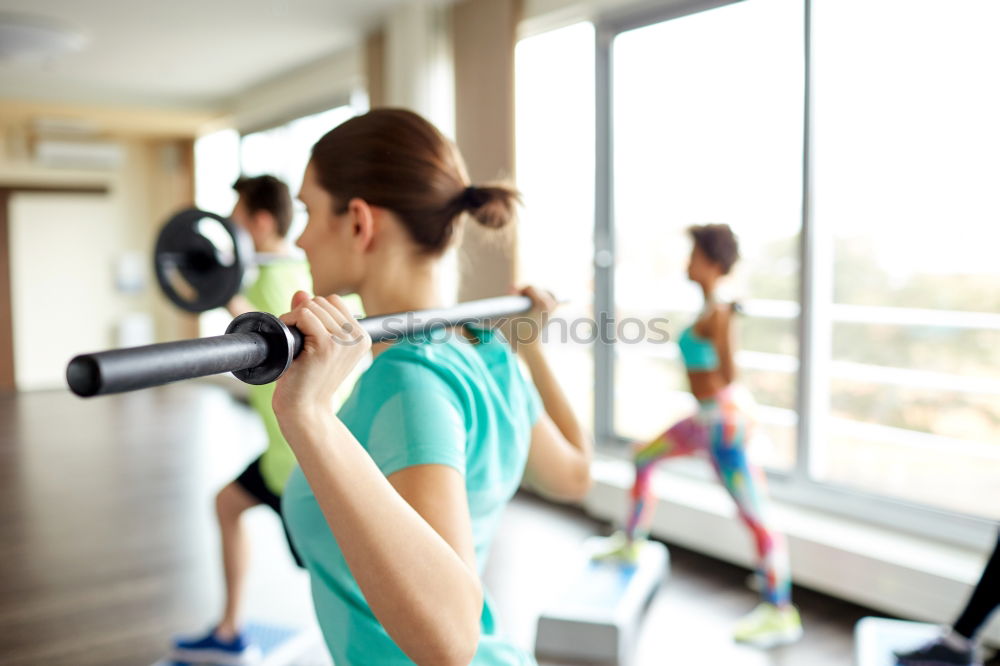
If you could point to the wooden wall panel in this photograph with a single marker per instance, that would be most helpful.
(485, 34)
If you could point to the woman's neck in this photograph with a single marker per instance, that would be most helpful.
(708, 292)
(401, 286)
(404, 288)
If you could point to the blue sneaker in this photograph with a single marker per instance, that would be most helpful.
(210, 650)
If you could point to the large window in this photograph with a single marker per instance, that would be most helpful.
(707, 127)
(216, 168)
(906, 160)
(853, 145)
(555, 172)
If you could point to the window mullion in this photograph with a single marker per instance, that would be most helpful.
(603, 237)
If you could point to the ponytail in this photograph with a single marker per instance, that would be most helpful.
(492, 206)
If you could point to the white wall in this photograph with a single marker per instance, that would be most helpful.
(152, 181)
(63, 253)
(324, 84)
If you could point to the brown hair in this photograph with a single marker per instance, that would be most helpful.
(719, 244)
(267, 193)
(395, 159)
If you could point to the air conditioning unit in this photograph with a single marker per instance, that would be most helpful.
(77, 154)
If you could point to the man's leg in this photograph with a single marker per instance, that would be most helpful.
(230, 504)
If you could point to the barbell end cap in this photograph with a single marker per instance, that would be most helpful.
(278, 339)
(83, 374)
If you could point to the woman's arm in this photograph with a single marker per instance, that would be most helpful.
(722, 338)
(561, 450)
(406, 539)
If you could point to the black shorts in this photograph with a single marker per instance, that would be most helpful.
(252, 482)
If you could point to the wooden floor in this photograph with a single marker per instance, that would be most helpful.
(108, 546)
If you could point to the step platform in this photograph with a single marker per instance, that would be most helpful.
(876, 638)
(597, 617)
(279, 645)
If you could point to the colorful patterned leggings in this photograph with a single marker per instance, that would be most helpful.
(720, 428)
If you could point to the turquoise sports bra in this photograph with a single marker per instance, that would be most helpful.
(698, 353)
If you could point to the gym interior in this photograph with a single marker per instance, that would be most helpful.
(773, 223)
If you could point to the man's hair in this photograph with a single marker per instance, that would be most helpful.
(267, 193)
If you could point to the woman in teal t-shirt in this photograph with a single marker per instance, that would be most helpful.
(399, 494)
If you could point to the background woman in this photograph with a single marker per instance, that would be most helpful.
(720, 429)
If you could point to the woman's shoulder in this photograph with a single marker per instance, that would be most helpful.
(724, 311)
(405, 358)
(445, 357)
(715, 318)
(409, 364)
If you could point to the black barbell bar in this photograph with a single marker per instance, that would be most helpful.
(257, 348)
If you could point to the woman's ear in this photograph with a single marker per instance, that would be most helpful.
(361, 218)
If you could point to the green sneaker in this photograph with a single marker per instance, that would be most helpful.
(768, 626)
(619, 548)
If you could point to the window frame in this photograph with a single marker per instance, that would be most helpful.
(798, 485)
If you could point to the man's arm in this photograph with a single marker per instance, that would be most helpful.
(238, 305)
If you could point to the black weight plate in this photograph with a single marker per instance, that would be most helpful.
(201, 260)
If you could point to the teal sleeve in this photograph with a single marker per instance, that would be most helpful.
(417, 418)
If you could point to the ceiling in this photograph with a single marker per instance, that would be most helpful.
(181, 53)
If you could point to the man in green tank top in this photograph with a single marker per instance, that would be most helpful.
(264, 211)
